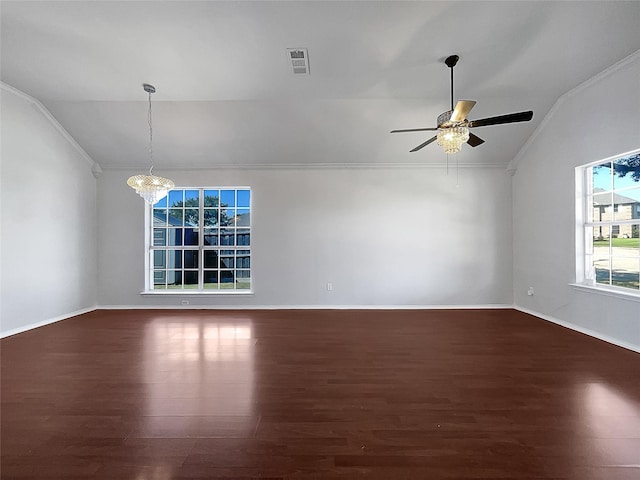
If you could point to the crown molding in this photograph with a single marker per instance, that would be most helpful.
(317, 166)
(634, 57)
(96, 170)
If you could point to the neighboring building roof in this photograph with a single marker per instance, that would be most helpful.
(159, 219)
(605, 198)
(243, 220)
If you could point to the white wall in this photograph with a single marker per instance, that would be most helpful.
(382, 236)
(48, 205)
(599, 119)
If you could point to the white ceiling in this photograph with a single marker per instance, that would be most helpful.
(227, 96)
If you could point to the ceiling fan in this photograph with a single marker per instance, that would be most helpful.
(453, 126)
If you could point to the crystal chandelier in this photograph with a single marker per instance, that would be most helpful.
(452, 138)
(150, 187)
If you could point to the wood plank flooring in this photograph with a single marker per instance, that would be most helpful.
(193, 394)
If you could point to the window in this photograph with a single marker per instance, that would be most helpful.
(611, 226)
(200, 241)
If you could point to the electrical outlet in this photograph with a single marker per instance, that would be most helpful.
(185, 302)
(329, 286)
(530, 292)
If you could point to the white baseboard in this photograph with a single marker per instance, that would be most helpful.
(305, 307)
(48, 321)
(586, 331)
(547, 318)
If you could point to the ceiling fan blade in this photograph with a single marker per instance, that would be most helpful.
(474, 140)
(510, 118)
(423, 144)
(463, 107)
(413, 130)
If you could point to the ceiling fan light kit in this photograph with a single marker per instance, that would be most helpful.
(451, 139)
(453, 126)
(150, 187)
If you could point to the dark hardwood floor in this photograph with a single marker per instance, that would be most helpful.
(160, 395)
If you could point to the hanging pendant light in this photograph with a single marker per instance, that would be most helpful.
(150, 187)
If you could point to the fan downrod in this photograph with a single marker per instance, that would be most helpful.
(451, 61)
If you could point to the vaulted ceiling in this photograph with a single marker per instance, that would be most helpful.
(226, 95)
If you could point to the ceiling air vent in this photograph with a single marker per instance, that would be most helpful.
(299, 60)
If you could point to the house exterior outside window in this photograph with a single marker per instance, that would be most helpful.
(610, 201)
(199, 241)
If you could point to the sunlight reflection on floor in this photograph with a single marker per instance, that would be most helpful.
(199, 367)
(610, 419)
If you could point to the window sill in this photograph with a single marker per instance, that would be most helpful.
(187, 293)
(608, 291)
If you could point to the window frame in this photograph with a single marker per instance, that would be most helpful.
(585, 223)
(149, 234)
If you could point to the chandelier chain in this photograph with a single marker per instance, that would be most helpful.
(150, 187)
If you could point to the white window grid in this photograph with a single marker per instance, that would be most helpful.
(227, 262)
(609, 225)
